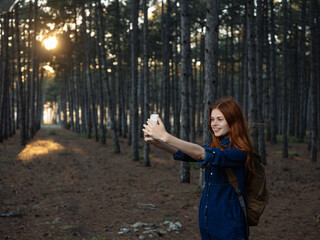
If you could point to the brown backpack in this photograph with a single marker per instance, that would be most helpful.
(255, 191)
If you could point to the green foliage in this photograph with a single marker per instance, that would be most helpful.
(194, 165)
(99, 238)
(292, 139)
(290, 153)
(70, 137)
(53, 91)
(52, 133)
(83, 134)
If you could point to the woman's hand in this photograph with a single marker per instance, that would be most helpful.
(151, 140)
(154, 130)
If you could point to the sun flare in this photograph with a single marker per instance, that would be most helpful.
(50, 43)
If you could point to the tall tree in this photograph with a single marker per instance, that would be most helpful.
(20, 96)
(302, 71)
(4, 77)
(100, 82)
(273, 97)
(146, 74)
(134, 80)
(176, 102)
(166, 52)
(252, 79)
(110, 98)
(245, 64)
(260, 50)
(89, 70)
(123, 129)
(284, 99)
(34, 61)
(185, 78)
(211, 70)
(314, 18)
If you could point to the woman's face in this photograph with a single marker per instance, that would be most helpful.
(219, 124)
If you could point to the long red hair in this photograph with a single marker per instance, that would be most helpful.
(238, 128)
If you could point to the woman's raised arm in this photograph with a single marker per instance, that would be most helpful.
(158, 132)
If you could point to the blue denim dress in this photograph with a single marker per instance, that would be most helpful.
(220, 213)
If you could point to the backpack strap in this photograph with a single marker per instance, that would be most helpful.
(234, 183)
(232, 178)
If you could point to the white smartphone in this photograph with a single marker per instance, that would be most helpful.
(154, 117)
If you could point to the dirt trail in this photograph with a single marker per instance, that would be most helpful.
(69, 187)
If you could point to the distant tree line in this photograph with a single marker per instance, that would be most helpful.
(115, 65)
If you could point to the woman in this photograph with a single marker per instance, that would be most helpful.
(220, 213)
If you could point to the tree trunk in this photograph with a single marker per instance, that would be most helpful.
(314, 79)
(252, 79)
(201, 85)
(192, 100)
(225, 80)
(146, 75)
(284, 99)
(232, 51)
(101, 100)
(273, 96)
(245, 65)
(260, 34)
(110, 99)
(4, 78)
(302, 72)
(12, 86)
(134, 80)
(77, 79)
(90, 74)
(185, 78)
(166, 52)
(211, 71)
(268, 72)
(176, 81)
(28, 77)
(34, 71)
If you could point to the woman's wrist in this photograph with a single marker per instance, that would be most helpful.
(165, 137)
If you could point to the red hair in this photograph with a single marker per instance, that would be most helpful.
(238, 128)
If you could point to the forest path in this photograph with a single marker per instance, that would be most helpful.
(63, 186)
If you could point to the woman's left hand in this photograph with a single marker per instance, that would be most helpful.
(155, 130)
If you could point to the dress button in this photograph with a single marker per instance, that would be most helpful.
(209, 184)
(211, 173)
(213, 152)
(206, 206)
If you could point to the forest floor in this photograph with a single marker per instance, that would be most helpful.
(64, 186)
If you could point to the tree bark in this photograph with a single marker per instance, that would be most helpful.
(110, 99)
(34, 71)
(211, 71)
(245, 65)
(4, 78)
(302, 72)
(260, 51)
(252, 79)
(166, 52)
(176, 81)
(185, 78)
(284, 99)
(101, 100)
(273, 96)
(134, 80)
(314, 79)
(145, 38)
